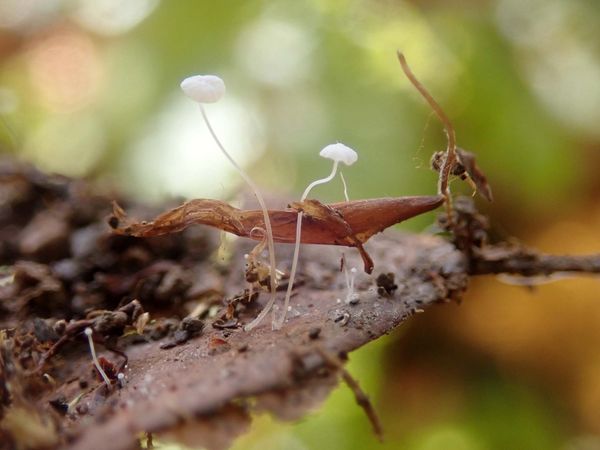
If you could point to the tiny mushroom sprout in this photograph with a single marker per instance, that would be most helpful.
(210, 89)
(88, 332)
(121, 379)
(337, 152)
(351, 295)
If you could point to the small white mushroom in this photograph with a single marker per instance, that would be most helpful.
(203, 88)
(210, 89)
(337, 152)
(351, 295)
(88, 332)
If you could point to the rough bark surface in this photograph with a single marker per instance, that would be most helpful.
(212, 373)
(63, 263)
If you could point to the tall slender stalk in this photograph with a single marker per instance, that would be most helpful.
(267, 219)
(278, 323)
(451, 135)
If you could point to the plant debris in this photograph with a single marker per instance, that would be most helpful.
(465, 168)
(188, 328)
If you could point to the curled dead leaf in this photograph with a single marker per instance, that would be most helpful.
(348, 224)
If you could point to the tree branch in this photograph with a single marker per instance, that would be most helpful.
(528, 262)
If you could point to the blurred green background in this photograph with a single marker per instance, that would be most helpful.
(90, 88)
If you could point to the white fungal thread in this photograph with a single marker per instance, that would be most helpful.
(88, 332)
(338, 153)
(209, 89)
(345, 186)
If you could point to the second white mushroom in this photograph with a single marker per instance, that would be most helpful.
(337, 152)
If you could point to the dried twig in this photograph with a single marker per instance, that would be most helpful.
(450, 159)
(362, 399)
(470, 235)
(527, 262)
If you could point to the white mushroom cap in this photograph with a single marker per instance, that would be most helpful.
(339, 152)
(203, 88)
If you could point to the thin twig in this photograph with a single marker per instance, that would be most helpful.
(527, 262)
(362, 399)
(450, 134)
(470, 235)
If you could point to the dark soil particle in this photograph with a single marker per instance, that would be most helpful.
(385, 284)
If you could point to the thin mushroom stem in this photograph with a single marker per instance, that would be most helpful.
(88, 332)
(269, 229)
(278, 323)
(321, 181)
(345, 187)
(451, 147)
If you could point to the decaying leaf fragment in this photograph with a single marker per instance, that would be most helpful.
(466, 168)
(348, 224)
